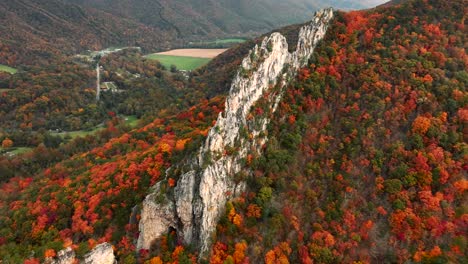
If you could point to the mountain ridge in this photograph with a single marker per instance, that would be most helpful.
(35, 32)
(217, 18)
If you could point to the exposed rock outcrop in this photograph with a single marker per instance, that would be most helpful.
(101, 254)
(198, 200)
(64, 256)
(157, 209)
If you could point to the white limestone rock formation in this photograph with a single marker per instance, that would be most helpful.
(199, 198)
(157, 209)
(64, 256)
(101, 254)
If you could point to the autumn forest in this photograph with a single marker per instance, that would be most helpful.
(366, 159)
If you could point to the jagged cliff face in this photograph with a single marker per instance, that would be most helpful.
(201, 193)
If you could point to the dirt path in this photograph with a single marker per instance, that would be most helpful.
(198, 53)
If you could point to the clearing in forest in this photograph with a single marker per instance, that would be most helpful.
(4, 68)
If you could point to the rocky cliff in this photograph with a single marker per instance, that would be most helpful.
(198, 200)
(101, 254)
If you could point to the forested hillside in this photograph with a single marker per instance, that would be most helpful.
(184, 116)
(207, 18)
(37, 32)
(366, 160)
(211, 19)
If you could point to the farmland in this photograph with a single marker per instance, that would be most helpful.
(4, 68)
(186, 59)
(196, 53)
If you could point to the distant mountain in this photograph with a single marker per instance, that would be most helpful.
(391, 3)
(32, 30)
(212, 18)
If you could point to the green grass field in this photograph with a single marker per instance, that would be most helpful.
(79, 133)
(182, 63)
(5, 68)
(15, 151)
(21, 150)
(5, 90)
(132, 121)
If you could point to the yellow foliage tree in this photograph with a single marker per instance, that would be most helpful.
(421, 124)
(239, 253)
(7, 143)
(156, 260)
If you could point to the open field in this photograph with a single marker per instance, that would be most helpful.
(79, 133)
(186, 59)
(132, 121)
(14, 151)
(198, 53)
(4, 68)
(181, 62)
(21, 150)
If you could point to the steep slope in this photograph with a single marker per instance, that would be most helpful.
(201, 192)
(366, 158)
(88, 199)
(33, 32)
